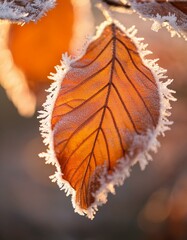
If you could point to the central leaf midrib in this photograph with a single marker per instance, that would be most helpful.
(106, 100)
(105, 104)
(109, 88)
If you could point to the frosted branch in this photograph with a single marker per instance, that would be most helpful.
(170, 14)
(117, 3)
(24, 10)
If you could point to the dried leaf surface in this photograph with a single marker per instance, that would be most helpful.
(107, 111)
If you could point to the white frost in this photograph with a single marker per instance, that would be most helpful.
(163, 15)
(24, 10)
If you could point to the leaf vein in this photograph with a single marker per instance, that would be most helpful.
(138, 93)
(132, 60)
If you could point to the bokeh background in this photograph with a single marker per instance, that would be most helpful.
(151, 205)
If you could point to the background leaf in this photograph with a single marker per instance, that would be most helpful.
(30, 52)
(172, 15)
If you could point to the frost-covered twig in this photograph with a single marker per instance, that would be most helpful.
(24, 10)
(117, 3)
(169, 14)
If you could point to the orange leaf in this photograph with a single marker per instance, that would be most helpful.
(36, 48)
(22, 11)
(107, 112)
(29, 52)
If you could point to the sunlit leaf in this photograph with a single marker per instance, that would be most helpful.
(109, 107)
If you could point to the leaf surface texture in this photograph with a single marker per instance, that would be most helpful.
(107, 100)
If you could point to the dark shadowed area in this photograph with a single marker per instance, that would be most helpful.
(151, 205)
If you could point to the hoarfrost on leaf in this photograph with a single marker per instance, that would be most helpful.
(99, 122)
(171, 14)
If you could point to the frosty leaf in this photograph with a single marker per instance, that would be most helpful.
(106, 115)
(172, 15)
(24, 10)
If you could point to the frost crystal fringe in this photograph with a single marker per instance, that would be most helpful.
(163, 15)
(23, 10)
(123, 168)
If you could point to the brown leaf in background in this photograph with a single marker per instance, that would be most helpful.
(172, 15)
(106, 104)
